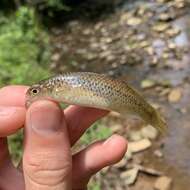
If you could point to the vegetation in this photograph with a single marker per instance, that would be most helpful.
(24, 50)
(24, 58)
(96, 132)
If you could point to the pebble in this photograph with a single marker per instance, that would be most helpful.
(158, 153)
(140, 145)
(149, 132)
(175, 95)
(122, 163)
(130, 176)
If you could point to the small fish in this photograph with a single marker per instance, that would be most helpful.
(98, 91)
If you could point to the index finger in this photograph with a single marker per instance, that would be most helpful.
(13, 95)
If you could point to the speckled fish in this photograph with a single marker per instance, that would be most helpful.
(98, 91)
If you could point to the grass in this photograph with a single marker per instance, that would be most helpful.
(97, 132)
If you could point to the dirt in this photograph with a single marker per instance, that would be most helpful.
(134, 44)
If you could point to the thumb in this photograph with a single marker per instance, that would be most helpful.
(47, 156)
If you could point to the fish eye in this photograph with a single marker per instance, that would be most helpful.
(35, 91)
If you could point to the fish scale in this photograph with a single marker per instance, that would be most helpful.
(96, 90)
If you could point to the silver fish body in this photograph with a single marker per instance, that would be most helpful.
(99, 91)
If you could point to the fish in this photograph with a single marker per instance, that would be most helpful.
(97, 91)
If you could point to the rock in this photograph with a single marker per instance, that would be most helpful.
(135, 135)
(163, 183)
(128, 155)
(172, 32)
(148, 171)
(115, 114)
(175, 95)
(165, 17)
(116, 128)
(90, 56)
(172, 46)
(105, 169)
(130, 176)
(134, 21)
(106, 53)
(87, 32)
(147, 83)
(122, 163)
(55, 57)
(179, 4)
(140, 145)
(158, 153)
(144, 44)
(150, 51)
(160, 27)
(149, 132)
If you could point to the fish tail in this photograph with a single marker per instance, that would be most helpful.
(159, 123)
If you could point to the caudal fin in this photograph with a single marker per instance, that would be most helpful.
(159, 123)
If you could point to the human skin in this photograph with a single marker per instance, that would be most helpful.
(49, 133)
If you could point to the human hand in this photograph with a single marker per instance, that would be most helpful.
(49, 133)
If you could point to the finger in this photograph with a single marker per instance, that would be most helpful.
(13, 95)
(98, 155)
(11, 119)
(80, 118)
(47, 156)
(8, 171)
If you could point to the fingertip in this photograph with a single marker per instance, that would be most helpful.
(13, 95)
(11, 119)
(118, 144)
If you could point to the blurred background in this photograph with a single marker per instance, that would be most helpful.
(145, 43)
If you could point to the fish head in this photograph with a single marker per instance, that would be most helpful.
(38, 92)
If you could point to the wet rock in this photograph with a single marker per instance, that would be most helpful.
(175, 95)
(172, 46)
(166, 17)
(143, 44)
(134, 21)
(149, 132)
(130, 176)
(163, 183)
(160, 27)
(150, 51)
(147, 83)
(172, 32)
(140, 145)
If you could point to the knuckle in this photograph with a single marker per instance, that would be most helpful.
(47, 171)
